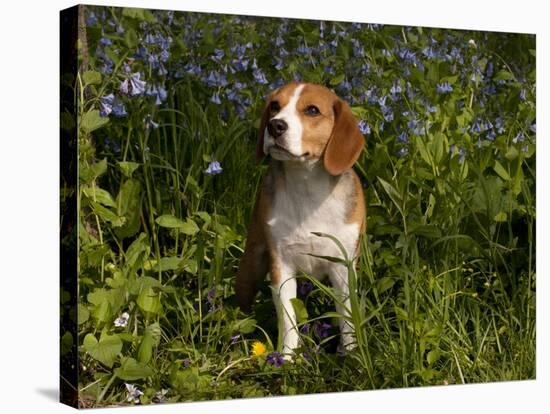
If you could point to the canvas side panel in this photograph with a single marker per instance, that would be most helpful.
(68, 367)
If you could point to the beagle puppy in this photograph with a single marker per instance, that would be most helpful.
(310, 186)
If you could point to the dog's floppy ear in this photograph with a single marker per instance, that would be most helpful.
(346, 141)
(263, 124)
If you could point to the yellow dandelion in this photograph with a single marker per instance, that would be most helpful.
(258, 348)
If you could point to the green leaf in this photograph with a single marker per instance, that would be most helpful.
(392, 193)
(99, 168)
(189, 227)
(299, 309)
(91, 77)
(512, 153)
(499, 169)
(170, 221)
(131, 370)
(426, 230)
(127, 167)
(83, 314)
(501, 217)
(106, 214)
(432, 356)
(91, 121)
(145, 351)
(99, 195)
(337, 79)
(149, 301)
(168, 263)
(128, 203)
(131, 38)
(104, 351)
(384, 284)
(244, 326)
(135, 250)
(503, 75)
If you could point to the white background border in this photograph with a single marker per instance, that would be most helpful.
(29, 173)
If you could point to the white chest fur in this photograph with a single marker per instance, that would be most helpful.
(311, 201)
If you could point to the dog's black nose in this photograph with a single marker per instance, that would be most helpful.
(276, 127)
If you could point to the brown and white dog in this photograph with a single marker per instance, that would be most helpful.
(310, 186)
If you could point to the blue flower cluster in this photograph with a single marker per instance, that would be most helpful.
(404, 87)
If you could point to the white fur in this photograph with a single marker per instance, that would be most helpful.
(291, 140)
(312, 201)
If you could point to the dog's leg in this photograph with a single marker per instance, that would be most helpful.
(339, 279)
(284, 289)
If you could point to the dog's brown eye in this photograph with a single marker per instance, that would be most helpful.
(274, 106)
(312, 110)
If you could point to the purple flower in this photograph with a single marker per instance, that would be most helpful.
(364, 127)
(403, 137)
(186, 363)
(216, 98)
(234, 339)
(533, 128)
(444, 87)
(305, 287)
(214, 168)
(106, 104)
(123, 88)
(304, 329)
(157, 91)
(118, 109)
(259, 76)
(402, 152)
(92, 19)
(136, 84)
(275, 359)
(518, 138)
(105, 41)
(321, 329)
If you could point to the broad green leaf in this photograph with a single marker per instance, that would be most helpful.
(91, 77)
(245, 326)
(149, 301)
(135, 251)
(499, 169)
(104, 351)
(384, 284)
(426, 230)
(503, 75)
(189, 227)
(512, 153)
(128, 206)
(170, 221)
(432, 356)
(131, 370)
(299, 309)
(127, 167)
(501, 217)
(168, 263)
(337, 79)
(91, 121)
(99, 168)
(99, 195)
(106, 214)
(83, 314)
(145, 351)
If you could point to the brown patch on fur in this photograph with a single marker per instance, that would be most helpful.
(316, 129)
(346, 141)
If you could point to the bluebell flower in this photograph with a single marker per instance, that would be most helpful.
(106, 104)
(455, 53)
(279, 41)
(259, 76)
(133, 86)
(403, 137)
(444, 87)
(149, 123)
(416, 127)
(518, 138)
(164, 56)
(214, 168)
(283, 52)
(491, 135)
(149, 39)
(105, 41)
(489, 69)
(402, 152)
(218, 55)
(234, 339)
(395, 90)
(216, 98)
(240, 64)
(321, 28)
(279, 64)
(276, 84)
(386, 53)
(119, 110)
(429, 52)
(158, 92)
(91, 20)
(533, 128)
(364, 127)
(192, 68)
(499, 125)
(239, 85)
(303, 49)
(490, 89)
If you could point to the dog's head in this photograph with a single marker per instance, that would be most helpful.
(303, 122)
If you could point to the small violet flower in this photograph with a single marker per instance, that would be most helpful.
(122, 320)
(275, 359)
(444, 87)
(214, 168)
(133, 393)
